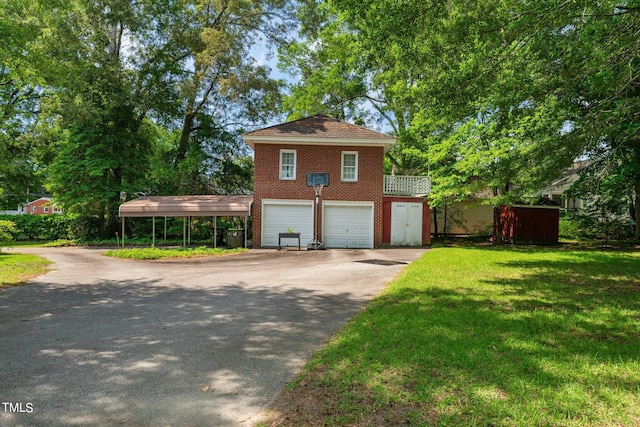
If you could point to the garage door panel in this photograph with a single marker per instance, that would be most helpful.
(281, 216)
(348, 225)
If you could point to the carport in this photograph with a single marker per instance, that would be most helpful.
(187, 207)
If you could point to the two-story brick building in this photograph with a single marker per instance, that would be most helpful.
(353, 211)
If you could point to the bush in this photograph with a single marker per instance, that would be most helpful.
(50, 227)
(573, 229)
(82, 227)
(36, 227)
(577, 227)
(7, 229)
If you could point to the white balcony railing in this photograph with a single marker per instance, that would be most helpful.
(414, 186)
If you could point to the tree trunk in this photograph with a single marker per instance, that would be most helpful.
(497, 223)
(637, 210)
(183, 146)
(435, 221)
(102, 221)
(444, 228)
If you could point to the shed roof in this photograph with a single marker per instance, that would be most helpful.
(319, 129)
(204, 205)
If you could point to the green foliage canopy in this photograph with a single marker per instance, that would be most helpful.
(104, 100)
(494, 95)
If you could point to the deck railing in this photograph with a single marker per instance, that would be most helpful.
(414, 186)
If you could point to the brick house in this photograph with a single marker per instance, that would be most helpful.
(41, 206)
(354, 211)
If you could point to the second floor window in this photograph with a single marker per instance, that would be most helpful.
(350, 166)
(288, 164)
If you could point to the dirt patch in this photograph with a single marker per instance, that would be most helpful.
(307, 403)
(311, 402)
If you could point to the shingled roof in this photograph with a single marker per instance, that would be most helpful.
(319, 129)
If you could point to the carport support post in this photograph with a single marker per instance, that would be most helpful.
(123, 220)
(153, 232)
(184, 231)
(215, 232)
(245, 232)
(165, 230)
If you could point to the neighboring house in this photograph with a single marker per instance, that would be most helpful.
(361, 208)
(41, 206)
(556, 190)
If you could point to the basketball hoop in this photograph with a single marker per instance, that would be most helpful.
(318, 189)
(317, 180)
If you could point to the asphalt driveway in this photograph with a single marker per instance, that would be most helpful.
(102, 341)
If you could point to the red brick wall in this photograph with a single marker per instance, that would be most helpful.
(314, 158)
(39, 207)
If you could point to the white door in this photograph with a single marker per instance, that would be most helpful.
(406, 224)
(347, 224)
(281, 216)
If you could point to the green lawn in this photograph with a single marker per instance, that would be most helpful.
(485, 336)
(170, 253)
(16, 269)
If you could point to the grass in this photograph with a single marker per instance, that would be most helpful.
(16, 269)
(25, 244)
(60, 243)
(172, 253)
(484, 336)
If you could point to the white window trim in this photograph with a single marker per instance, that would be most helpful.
(295, 161)
(355, 179)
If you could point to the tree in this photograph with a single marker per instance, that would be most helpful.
(102, 153)
(514, 90)
(220, 84)
(155, 83)
(105, 100)
(19, 102)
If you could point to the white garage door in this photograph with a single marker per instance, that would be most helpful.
(347, 224)
(280, 216)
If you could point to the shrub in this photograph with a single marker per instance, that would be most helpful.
(82, 227)
(7, 228)
(48, 227)
(38, 227)
(576, 227)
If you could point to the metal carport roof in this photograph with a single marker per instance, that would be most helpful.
(186, 206)
(203, 205)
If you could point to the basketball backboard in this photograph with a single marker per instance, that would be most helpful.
(317, 178)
